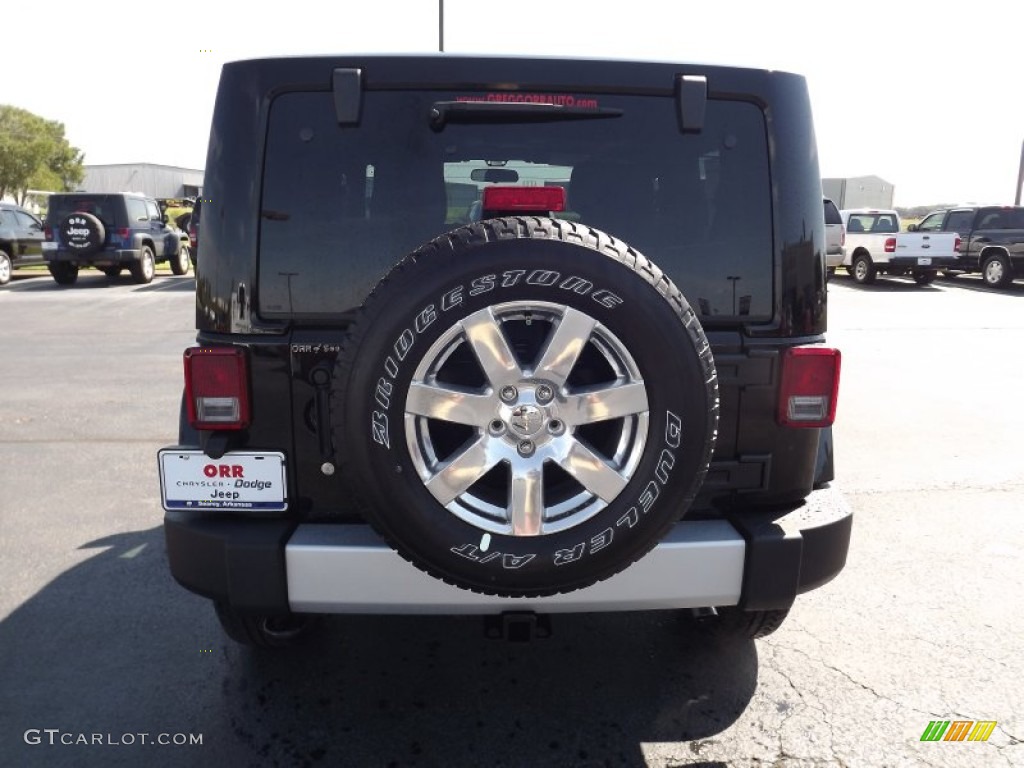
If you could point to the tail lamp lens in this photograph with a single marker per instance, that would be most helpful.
(890, 245)
(217, 387)
(809, 387)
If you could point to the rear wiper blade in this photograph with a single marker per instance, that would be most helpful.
(444, 112)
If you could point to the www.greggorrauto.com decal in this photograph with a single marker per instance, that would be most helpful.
(380, 423)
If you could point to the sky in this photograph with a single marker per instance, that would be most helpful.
(930, 97)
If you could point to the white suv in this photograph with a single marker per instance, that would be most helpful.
(835, 237)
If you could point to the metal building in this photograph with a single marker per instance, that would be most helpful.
(859, 192)
(147, 178)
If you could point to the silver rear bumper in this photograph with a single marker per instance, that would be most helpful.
(349, 569)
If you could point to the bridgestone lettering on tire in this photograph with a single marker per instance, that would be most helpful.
(525, 406)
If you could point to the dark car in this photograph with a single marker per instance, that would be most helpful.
(112, 232)
(991, 240)
(21, 240)
(610, 392)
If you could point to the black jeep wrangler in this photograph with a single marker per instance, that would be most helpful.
(111, 232)
(506, 337)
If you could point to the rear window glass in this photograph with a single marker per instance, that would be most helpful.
(1003, 218)
(342, 204)
(832, 215)
(107, 208)
(873, 222)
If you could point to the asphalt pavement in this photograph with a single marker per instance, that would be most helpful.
(103, 657)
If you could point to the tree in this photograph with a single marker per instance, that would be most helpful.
(34, 154)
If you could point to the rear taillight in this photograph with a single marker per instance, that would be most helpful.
(50, 234)
(957, 248)
(842, 240)
(890, 245)
(217, 387)
(809, 387)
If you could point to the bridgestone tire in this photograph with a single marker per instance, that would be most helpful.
(525, 406)
(82, 233)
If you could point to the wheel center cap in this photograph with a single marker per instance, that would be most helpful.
(526, 420)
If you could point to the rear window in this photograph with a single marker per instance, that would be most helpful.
(107, 208)
(832, 215)
(1002, 218)
(342, 204)
(873, 222)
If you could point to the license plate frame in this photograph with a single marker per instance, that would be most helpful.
(239, 481)
(924, 261)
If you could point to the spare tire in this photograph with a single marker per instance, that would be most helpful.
(525, 406)
(82, 233)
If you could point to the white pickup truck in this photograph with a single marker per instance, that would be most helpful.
(874, 244)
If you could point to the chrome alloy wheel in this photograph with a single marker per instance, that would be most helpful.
(526, 418)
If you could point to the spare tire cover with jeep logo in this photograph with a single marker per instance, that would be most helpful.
(526, 406)
(82, 233)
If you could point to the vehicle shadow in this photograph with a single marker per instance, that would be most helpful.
(91, 280)
(167, 283)
(975, 283)
(886, 283)
(113, 646)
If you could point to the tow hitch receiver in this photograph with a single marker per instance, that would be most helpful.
(517, 626)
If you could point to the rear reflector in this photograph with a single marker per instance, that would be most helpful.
(809, 387)
(522, 199)
(217, 387)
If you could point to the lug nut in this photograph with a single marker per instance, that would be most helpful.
(556, 427)
(544, 393)
(526, 448)
(496, 427)
(509, 394)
